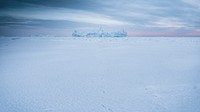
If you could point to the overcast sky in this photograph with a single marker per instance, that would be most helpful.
(137, 17)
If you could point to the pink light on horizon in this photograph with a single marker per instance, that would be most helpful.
(165, 34)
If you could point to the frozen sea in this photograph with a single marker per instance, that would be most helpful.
(133, 74)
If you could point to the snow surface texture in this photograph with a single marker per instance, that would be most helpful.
(139, 74)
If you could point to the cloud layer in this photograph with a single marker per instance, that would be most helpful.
(152, 16)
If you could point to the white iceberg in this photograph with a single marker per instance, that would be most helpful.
(99, 33)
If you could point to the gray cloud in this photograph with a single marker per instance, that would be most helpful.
(73, 4)
(133, 15)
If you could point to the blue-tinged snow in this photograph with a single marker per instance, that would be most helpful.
(133, 74)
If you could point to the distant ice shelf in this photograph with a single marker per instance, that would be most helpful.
(99, 33)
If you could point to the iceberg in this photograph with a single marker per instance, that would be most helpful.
(99, 33)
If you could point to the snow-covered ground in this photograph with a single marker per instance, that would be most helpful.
(133, 74)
